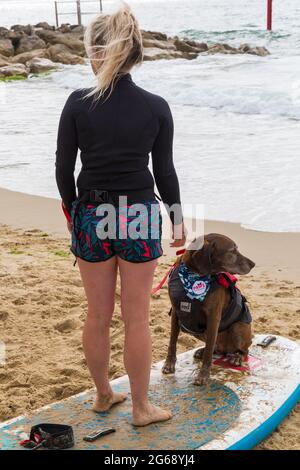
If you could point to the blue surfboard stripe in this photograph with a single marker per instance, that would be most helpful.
(261, 432)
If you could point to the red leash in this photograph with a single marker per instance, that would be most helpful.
(67, 215)
(161, 283)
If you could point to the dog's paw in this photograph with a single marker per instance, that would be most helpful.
(202, 378)
(168, 367)
(236, 359)
(199, 354)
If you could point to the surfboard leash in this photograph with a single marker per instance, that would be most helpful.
(50, 436)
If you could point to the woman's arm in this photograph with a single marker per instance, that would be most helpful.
(163, 167)
(66, 153)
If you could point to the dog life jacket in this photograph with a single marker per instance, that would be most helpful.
(188, 289)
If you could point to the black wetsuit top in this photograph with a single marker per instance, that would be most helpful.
(115, 137)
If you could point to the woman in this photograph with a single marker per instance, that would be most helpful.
(116, 124)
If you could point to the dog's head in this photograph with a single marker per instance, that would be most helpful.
(218, 253)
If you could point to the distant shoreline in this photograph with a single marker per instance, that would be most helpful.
(36, 212)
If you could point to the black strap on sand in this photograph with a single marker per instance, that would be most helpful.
(50, 436)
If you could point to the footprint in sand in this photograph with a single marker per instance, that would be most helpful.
(67, 325)
(56, 392)
(71, 372)
(5, 377)
(159, 329)
(116, 347)
(19, 301)
(270, 284)
(3, 315)
(262, 320)
(187, 341)
(287, 293)
(34, 230)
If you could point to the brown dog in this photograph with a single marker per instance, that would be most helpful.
(218, 254)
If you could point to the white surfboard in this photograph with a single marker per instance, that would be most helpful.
(237, 410)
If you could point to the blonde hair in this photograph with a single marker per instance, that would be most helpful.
(119, 40)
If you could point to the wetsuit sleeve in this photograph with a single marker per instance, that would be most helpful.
(66, 153)
(164, 171)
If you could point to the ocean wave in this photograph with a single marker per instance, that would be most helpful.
(12, 165)
(234, 35)
(247, 100)
(238, 84)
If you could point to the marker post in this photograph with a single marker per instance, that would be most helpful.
(269, 15)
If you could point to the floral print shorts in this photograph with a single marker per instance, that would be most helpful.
(133, 232)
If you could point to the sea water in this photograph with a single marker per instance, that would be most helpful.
(236, 117)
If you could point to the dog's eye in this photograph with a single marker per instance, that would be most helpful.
(231, 255)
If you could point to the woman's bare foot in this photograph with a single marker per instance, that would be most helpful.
(104, 402)
(150, 414)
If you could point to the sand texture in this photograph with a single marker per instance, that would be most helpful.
(43, 307)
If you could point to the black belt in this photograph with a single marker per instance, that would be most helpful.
(100, 196)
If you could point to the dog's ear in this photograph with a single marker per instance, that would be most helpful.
(200, 260)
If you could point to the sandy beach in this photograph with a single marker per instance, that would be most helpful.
(43, 306)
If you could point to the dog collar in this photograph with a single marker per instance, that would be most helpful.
(195, 286)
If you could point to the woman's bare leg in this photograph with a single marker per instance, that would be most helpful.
(99, 280)
(136, 284)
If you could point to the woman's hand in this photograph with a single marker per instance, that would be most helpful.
(178, 235)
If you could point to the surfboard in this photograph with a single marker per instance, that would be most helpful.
(239, 408)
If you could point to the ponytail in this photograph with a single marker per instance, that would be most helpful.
(115, 42)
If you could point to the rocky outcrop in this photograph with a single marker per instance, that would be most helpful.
(68, 39)
(29, 43)
(154, 35)
(243, 49)
(61, 53)
(25, 56)
(6, 47)
(4, 60)
(189, 49)
(40, 65)
(4, 32)
(190, 46)
(23, 29)
(246, 49)
(169, 45)
(14, 70)
(154, 53)
(223, 49)
(23, 44)
(44, 25)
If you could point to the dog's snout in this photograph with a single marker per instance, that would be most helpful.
(251, 263)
